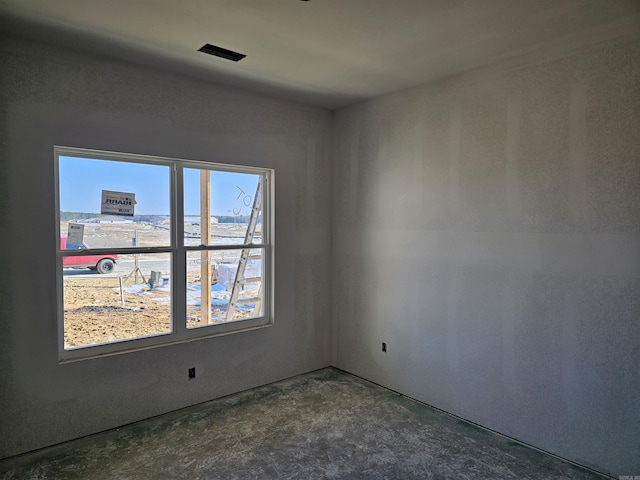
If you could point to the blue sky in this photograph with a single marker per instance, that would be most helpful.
(82, 181)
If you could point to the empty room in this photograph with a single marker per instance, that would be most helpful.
(320, 239)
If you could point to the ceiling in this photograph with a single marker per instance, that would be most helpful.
(329, 53)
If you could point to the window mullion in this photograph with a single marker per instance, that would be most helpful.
(179, 267)
(213, 248)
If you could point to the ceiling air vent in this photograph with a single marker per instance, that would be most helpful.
(221, 52)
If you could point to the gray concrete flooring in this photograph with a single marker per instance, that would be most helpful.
(325, 424)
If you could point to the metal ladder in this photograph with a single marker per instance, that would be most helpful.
(244, 258)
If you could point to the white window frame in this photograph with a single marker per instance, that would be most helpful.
(179, 332)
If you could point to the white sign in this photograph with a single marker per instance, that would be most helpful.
(75, 234)
(117, 203)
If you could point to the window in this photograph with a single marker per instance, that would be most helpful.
(155, 250)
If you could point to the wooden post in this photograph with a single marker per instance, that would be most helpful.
(205, 239)
(137, 267)
(121, 292)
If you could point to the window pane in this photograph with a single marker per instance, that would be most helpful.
(226, 266)
(83, 183)
(228, 203)
(97, 310)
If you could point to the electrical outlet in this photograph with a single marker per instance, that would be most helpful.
(192, 373)
(384, 347)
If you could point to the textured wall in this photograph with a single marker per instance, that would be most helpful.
(487, 228)
(53, 97)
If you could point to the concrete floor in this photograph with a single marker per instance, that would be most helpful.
(325, 424)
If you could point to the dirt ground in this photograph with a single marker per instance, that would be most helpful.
(93, 312)
(93, 304)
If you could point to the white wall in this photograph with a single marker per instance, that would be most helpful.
(487, 228)
(54, 97)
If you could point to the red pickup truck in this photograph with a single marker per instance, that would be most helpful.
(101, 263)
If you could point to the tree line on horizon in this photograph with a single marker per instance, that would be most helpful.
(150, 218)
